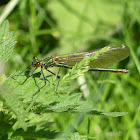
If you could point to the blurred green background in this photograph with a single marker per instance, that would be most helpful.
(54, 27)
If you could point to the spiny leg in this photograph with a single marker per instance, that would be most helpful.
(24, 75)
(56, 76)
(53, 73)
(23, 71)
(26, 68)
(45, 79)
(33, 101)
(43, 85)
(31, 73)
(58, 79)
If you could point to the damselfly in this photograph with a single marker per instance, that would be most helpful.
(110, 56)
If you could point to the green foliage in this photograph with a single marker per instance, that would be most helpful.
(77, 108)
(7, 42)
(20, 98)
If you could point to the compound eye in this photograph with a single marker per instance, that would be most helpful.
(37, 64)
(34, 57)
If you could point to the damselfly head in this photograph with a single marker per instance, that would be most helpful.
(35, 58)
(35, 62)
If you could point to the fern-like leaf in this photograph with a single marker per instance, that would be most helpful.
(7, 42)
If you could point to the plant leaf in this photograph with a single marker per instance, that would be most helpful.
(7, 42)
